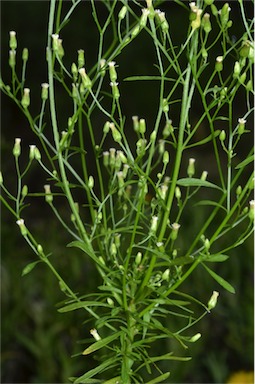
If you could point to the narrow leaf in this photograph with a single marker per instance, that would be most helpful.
(205, 140)
(210, 202)
(193, 182)
(220, 280)
(115, 380)
(217, 258)
(101, 343)
(245, 162)
(29, 267)
(110, 363)
(135, 78)
(159, 379)
(82, 304)
(85, 248)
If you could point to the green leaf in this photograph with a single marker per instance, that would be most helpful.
(159, 379)
(245, 162)
(135, 78)
(115, 380)
(110, 363)
(220, 280)
(29, 267)
(210, 202)
(217, 258)
(82, 304)
(193, 182)
(101, 343)
(205, 140)
(86, 249)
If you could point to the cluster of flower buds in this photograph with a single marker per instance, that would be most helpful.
(57, 45)
(195, 15)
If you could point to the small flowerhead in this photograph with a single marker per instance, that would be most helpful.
(251, 211)
(112, 71)
(17, 147)
(204, 175)
(219, 63)
(32, 151)
(175, 229)
(85, 78)
(48, 194)
(13, 40)
(22, 227)
(44, 94)
(95, 334)
(213, 300)
(25, 101)
(154, 224)
(241, 125)
(81, 59)
(191, 167)
(12, 58)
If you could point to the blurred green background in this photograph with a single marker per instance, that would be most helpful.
(37, 341)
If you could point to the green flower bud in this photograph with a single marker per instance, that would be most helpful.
(153, 136)
(175, 230)
(106, 158)
(209, 2)
(163, 191)
(249, 86)
(165, 106)
(194, 338)
(113, 250)
(238, 190)
(95, 334)
(219, 64)
(140, 146)
(112, 71)
(1, 178)
(154, 224)
(145, 14)
(91, 182)
(13, 40)
(241, 125)
(60, 50)
(224, 14)
(44, 94)
(251, 210)
(102, 64)
(110, 302)
(17, 148)
(74, 71)
(204, 175)
(40, 249)
(191, 167)
(222, 135)
(22, 227)
(135, 31)
(207, 244)
(237, 69)
(178, 193)
(25, 101)
(37, 154)
(135, 123)
(166, 157)
(32, 151)
(168, 129)
(81, 59)
(24, 191)
(213, 300)
(214, 10)
(161, 147)
(142, 126)
(205, 23)
(115, 90)
(85, 79)
(55, 37)
(48, 194)
(12, 58)
(166, 274)
(115, 133)
(245, 49)
(138, 258)
(112, 157)
(242, 78)
(25, 54)
(122, 12)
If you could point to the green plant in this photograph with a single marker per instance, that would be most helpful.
(127, 204)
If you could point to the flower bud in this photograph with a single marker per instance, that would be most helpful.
(17, 148)
(48, 194)
(102, 63)
(241, 125)
(161, 147)
(238, 190)
(13, 40)
(165, 106)
(219, 64)
(166, 157)
(25, 101)
(122, 13)
(106, 158)
(37, 154)
(194, 338)
(237, 69)
(140, 146)
(95, 334)
(206, 24)
(222, 135)
(207, 244)
(85, 79)
(214, 10)
(154, 224)
(142, 126)
(138, 258)
(12, 58)
(166, 274)
(40, 249)
(242, 78)
(91, 182)
(251, 211)
(209, 2)
(44, 94)
(55, 37)
(249, 86)
(168, 129)
(60, 50)
(163, 191)
(74, 71)
(110, 302)
(112, 157)
(204, 175)
(24, 191)
(32, 151)
(145, 14)
(175, 230)
(213, 300)
(115, 90)
(191, 167)
(81, 59)
(113, 250)
(135, 31)
(22, 227)
(178, 193)
(1, 178)
(153, 136)
(224, 14)
(245, 49)
(115, 133)
(112, 70)
(135, 123)
(25, 55)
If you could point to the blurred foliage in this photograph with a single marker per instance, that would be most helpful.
(37, 341)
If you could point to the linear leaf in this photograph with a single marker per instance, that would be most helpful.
(210, 202)
(135, 78)
(85, 248)
(82, 304)
(101, 343)
(245, 162)
(110, 363)
(193, 182)
(220, 280)
(113, 381)
(205, 140)
(159, 379)
(29, 267)
(217, 258)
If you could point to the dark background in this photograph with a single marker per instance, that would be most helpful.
(37, 341)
